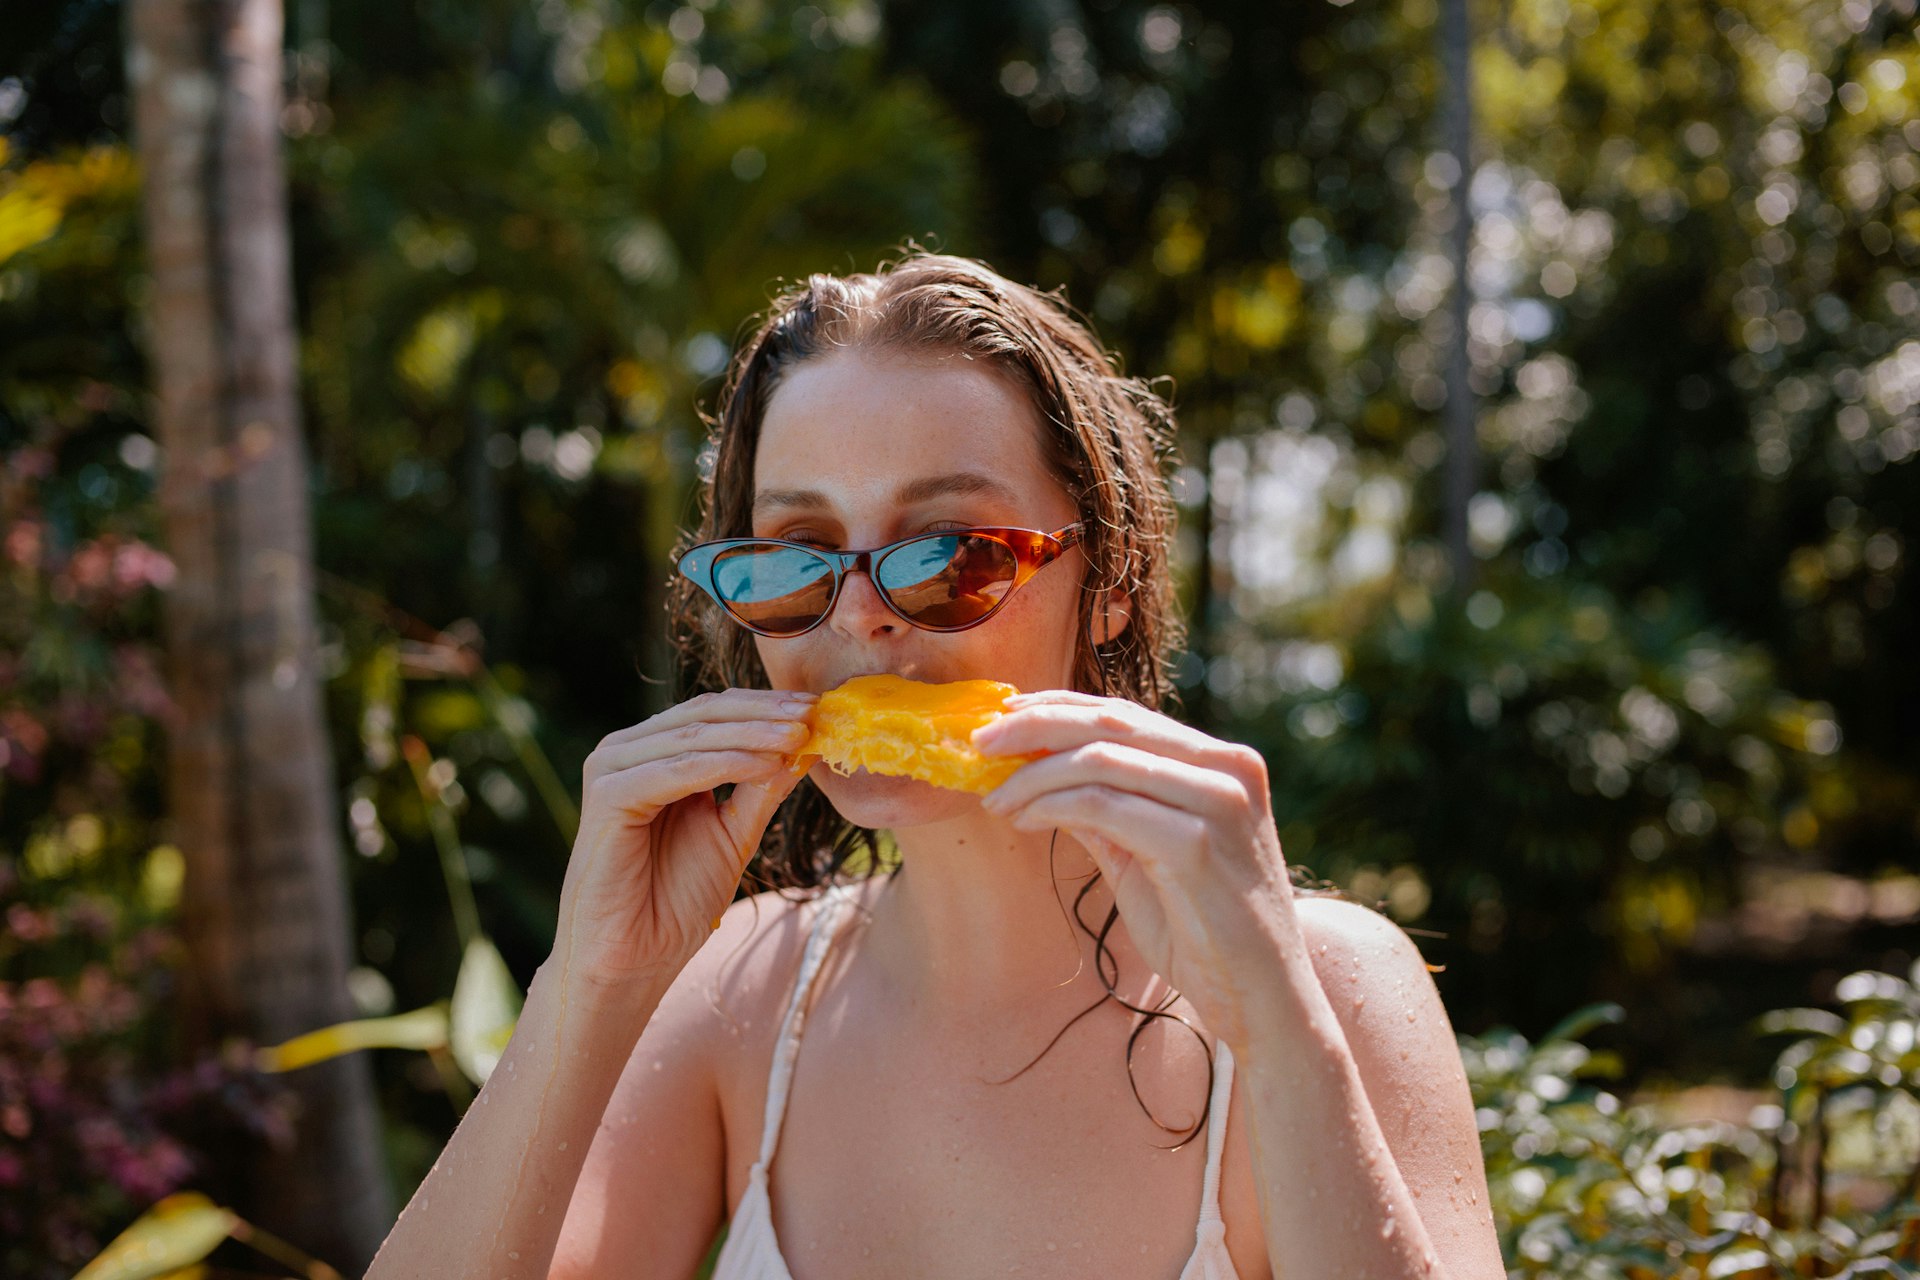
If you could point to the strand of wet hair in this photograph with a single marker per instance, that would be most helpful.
(1101, 955)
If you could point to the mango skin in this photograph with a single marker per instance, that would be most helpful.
(888, 724)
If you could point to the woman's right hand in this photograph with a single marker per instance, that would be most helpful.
(657, 858)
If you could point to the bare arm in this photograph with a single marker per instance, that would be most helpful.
(1362, 1069)
(657, 858)
(493, 1204)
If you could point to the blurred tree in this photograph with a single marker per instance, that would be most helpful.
(1690, 319)
(251, 792)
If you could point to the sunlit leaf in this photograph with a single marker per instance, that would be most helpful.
(486, 1004)
(420, 1029)
(1819, 1022)
(1732, 1264)
(177, 1232)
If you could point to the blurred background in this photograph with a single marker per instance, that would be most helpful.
(1566, 587)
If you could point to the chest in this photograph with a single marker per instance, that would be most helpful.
(897, 1155)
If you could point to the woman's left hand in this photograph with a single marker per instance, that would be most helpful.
(1181, 826)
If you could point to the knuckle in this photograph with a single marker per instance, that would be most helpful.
(1250, 765)
(700, 733)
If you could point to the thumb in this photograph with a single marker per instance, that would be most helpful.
(746, 812)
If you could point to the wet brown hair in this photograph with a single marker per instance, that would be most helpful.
(1108, 438)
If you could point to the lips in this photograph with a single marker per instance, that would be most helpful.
(871, 671)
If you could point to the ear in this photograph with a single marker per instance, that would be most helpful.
(1107, 623)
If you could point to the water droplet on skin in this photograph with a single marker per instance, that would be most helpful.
(656, 1066)
(1386, 1232)
(1359, 1002)
(1051, 1246)
(563, 1146)
(513, 1255)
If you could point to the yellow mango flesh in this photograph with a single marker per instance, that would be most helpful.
(891, 725)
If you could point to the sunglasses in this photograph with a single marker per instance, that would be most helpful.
(944, 581)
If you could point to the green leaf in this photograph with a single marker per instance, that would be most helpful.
(1819, 1022)
(486, 1004)
(1583, 1020)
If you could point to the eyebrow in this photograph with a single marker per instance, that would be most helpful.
(926, 488)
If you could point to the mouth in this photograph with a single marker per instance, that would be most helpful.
(876, 671)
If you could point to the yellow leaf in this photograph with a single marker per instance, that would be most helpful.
(177, 1232)
(421, 1029)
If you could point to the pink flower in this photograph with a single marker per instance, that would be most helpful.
(137, 565)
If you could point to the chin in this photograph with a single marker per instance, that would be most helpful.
(879, 801)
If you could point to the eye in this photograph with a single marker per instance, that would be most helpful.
(808, 538)
(805, 539)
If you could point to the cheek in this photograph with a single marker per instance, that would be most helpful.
(781, 660)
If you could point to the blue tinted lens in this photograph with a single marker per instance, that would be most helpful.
(948, 580)
(773, 588)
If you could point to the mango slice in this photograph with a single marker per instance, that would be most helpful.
(906, 728)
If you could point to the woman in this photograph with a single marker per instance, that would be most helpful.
(938, 1123)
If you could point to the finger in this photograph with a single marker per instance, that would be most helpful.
(1171, 782)
(1115, 863)
(1070, 696)
(645, 789)
(718, 704)
(1062, 725)
(783, 732)
(1151, 833)
(746, 813)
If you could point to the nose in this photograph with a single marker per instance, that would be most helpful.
(860, 612)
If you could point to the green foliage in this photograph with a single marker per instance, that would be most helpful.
(525, 236)
(1584, 1186)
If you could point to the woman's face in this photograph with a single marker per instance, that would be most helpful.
(859, 449)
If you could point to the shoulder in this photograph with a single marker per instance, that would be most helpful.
(1396, 1026)
(1341, 927)
(1380, 988)
(733, 992)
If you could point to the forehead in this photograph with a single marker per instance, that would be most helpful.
(858, 426)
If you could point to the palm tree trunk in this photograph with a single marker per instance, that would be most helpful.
(1456, 48)
(250, 778)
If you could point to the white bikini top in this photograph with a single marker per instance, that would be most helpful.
(752, 1253)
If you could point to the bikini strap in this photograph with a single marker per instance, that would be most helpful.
(1211, 1222)
(788, 1045)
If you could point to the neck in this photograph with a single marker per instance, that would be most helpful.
(976, 926)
